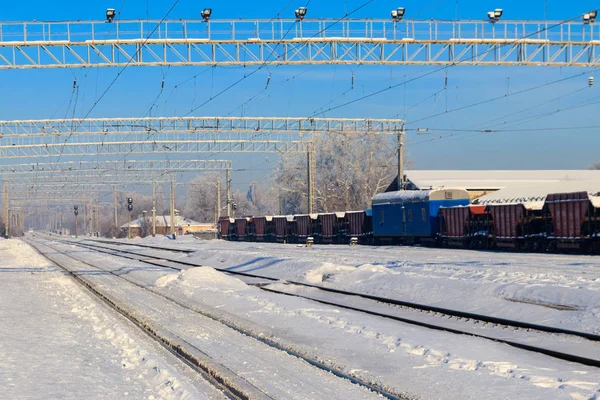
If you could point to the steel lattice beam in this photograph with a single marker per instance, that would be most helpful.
(147, 147)
(80, 167)
(42, 202)
(103, 136)
(212, 128)
(95, 180)
(256, 42)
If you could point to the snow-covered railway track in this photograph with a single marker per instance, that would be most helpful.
(574, 346)
(235, 387)
(230, 385)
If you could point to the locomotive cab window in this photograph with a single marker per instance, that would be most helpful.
(410, 215)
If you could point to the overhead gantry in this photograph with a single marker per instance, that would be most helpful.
(74, 44)
(86, 167)
(131, 136)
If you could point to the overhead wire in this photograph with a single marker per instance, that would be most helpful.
(120, 72)
(375, 93)
(267, 62)
(276, 16)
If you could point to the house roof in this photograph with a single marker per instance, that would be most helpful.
(492, 179)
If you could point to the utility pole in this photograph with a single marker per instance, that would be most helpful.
(218, 213)
(115, 211)
(6, 211)
(310, 177)
(97, 219)
(84, 206)
(153, 206)
(228, 183)
(92, 216)
(401, 158)
(173, 209)
(23, 217)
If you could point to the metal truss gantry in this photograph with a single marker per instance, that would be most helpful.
(86, 180)
(105, 136)
(256, 42)
(87, 167)
(41, 202)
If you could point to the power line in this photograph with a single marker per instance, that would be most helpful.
(440, 69)
(489, 100)
(267, 62)
(121, 72)
(258, 69)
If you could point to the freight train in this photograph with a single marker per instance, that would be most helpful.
(440, 217)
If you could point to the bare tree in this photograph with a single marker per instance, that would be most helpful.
(201, 200)
(350, 170)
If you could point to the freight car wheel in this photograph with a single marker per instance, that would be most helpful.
(529, 246)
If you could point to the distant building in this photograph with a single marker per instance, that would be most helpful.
(481, 182)
(183, 226)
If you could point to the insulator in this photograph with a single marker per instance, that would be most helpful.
(591, 81)
(352, 83)
(268, 80)
(162, 85)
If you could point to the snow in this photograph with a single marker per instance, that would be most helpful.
(271, 371)
(533, 196)
(461, 279)
(401, 358)
(496, 179)
(58, 342)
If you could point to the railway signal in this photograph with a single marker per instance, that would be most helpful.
(76, 212)
(129, 208)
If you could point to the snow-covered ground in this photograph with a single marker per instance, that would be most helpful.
(57, 342)
(549, 289)
(255, 365)
(404, 358)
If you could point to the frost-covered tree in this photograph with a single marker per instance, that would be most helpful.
(350, 169)
(201, 199)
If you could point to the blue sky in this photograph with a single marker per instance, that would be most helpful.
(36, 94)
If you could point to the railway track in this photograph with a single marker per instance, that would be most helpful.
(180, 349)
(582, 347)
